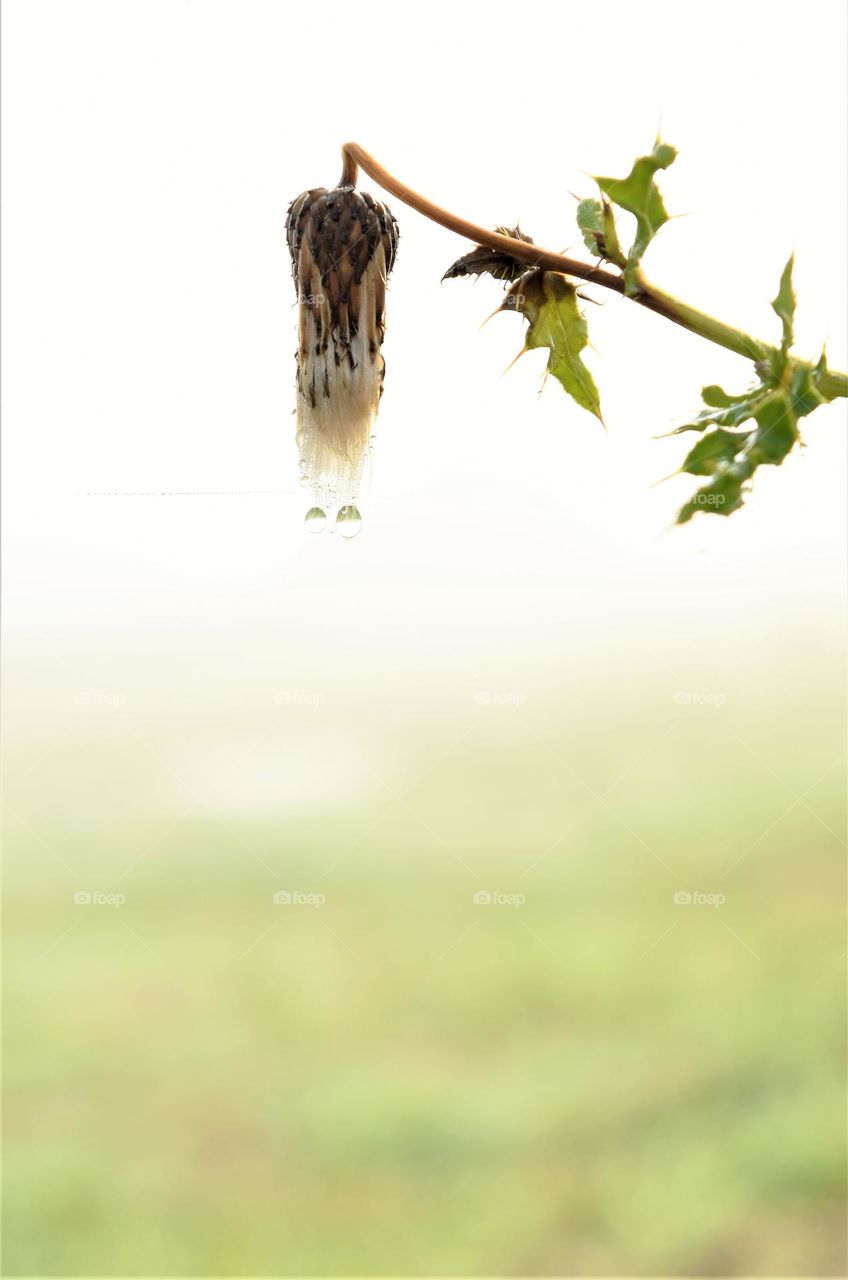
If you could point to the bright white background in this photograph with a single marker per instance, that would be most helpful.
(150, 151)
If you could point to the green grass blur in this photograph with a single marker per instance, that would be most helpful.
(596, 1081)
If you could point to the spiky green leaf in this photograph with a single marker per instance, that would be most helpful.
(784, 305)
(639, 194)
(549, 304)
(713, 450)
(732, 457)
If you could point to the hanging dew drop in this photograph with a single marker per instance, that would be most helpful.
(348, 521)
(315, 519)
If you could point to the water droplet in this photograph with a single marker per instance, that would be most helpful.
(348, 521)
(315, 519)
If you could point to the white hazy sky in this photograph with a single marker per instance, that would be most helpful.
(151, 148)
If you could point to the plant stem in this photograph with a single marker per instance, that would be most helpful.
(724, 335)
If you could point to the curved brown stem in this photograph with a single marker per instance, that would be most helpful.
(648, 296)
(530, 254)
(350, 168)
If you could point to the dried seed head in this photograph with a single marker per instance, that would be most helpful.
(343, 245)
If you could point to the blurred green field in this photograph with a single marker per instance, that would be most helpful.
(402, 1080)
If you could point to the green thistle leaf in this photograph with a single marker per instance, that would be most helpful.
(549, 303)
(784, 305)
(717, 397)
(731, 457)
(712, 450)
(590, 220)
(597, 226)
(639, 194)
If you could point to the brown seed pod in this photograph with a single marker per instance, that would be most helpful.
(343, 246)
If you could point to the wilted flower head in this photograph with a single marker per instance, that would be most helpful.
(343, 246)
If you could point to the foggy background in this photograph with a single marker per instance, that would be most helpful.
(519, 680)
